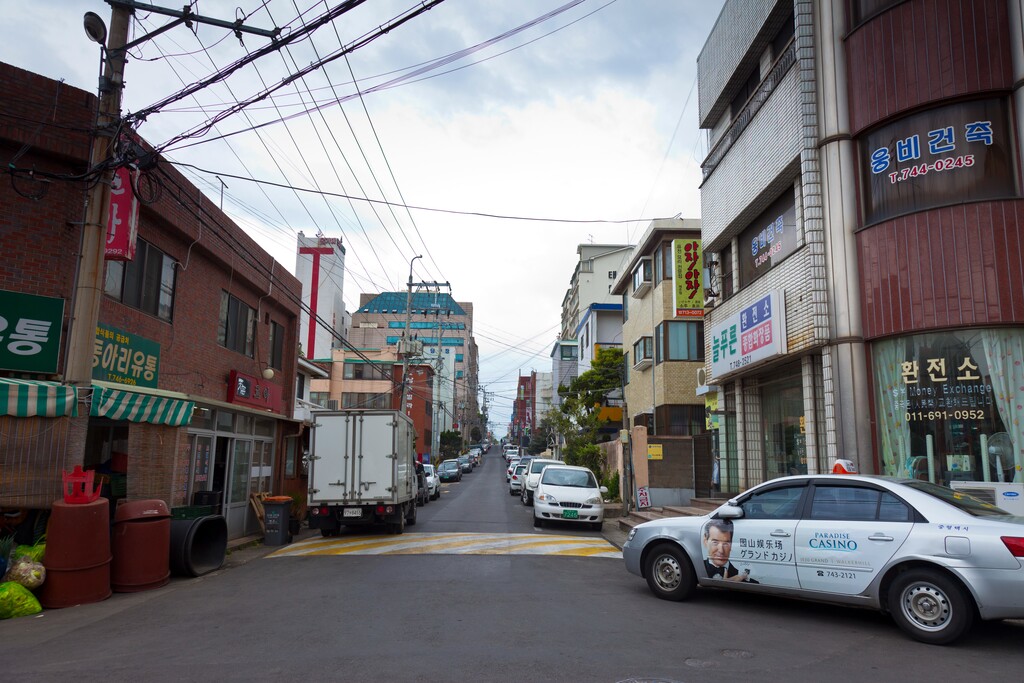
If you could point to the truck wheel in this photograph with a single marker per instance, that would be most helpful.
(411, 519)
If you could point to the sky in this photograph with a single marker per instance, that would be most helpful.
(565, 122)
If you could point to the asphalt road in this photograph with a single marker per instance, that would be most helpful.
(497, 617)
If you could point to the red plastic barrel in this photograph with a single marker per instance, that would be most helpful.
(142, 546)
(77, 558)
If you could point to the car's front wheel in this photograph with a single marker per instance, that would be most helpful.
(670, 575)
(930, 606)
(538, 522)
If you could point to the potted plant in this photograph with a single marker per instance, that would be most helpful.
(298, 512)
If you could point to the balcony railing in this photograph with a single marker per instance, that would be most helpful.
(782, 65)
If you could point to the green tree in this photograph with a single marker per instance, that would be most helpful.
(451, 444)
(582, 400)
(474, 434)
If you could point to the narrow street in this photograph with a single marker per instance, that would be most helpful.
(494, 617)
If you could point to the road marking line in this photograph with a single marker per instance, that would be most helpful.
(454, 543)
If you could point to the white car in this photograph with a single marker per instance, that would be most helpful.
(935, 559)
(511, 453)
(515, 482)
(567, 493)
(537, 466)
(511, 466)
(433, 482)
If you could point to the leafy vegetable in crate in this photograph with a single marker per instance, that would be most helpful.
(17, 601)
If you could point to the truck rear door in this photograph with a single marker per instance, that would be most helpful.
(330, 468)
(374, 461)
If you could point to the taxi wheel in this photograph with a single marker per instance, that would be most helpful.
(930, 607)
(670, 575)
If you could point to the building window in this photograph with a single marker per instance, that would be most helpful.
(643, 350)
(237, 327)
(625, 307)
(365, 400)
(568, 353)
(679, 420)
(319, 398)
(725, 272)
(679, 340)
(364, 371)
(145, 283)
(276, 345)
(642, 275)
(745, 91)
(300, 385)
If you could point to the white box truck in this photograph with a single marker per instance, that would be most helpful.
(362, 470)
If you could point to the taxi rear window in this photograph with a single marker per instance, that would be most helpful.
(959, 499)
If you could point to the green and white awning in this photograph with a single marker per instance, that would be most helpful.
(34, 398)
(140, 406)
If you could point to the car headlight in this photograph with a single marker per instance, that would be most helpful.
(596, 500)
(547, 498)
(632, 533)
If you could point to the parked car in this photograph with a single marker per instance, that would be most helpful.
(515, 481)
(512, 452)
(931, 557)
(511, 467)
(465, 463)
(537, 466)
(476, 454)
(449, 470)
(433, 482)
(569, 494)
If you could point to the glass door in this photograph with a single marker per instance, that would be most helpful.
(237, 503)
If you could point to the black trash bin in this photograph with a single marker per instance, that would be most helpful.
(276, 511)
(141, 536)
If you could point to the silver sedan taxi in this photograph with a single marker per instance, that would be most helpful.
(931, 557)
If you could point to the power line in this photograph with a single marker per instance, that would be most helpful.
(418, 208)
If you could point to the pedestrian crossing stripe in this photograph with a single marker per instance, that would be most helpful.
(454, 544)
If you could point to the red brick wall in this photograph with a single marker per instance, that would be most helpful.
(40, 243)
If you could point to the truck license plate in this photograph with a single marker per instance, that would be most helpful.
(570, 514)
(353, 512)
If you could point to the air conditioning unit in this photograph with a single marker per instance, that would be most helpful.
(702, 376)
(1006, 495)
(332, 404)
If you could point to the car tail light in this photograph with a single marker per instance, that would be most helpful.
(1015, 545)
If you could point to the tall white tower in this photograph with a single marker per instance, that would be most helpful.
(320, 267)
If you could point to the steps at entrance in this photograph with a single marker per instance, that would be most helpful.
(640, 516)
(707, 504)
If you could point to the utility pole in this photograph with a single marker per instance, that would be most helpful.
(89, 283)
(406, 339)
(89, 277)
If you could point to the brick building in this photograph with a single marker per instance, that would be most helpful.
(196, 345)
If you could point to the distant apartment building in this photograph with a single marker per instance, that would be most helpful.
(663, 338)
(444, 329)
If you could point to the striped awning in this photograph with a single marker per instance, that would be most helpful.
(136, 406)
(34, 398)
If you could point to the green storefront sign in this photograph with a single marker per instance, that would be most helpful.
(30, 328)
(125, 358)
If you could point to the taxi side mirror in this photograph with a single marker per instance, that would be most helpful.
(729, 511)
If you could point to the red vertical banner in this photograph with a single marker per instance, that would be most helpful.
(123, 220)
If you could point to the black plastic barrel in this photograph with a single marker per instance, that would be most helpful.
(198, 546)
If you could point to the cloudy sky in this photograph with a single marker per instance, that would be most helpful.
(580, 115)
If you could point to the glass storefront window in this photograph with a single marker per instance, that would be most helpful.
(225, 421)
(264, 427)
(782, 416)
(947, 405)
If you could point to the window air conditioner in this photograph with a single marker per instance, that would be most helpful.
(332, 404)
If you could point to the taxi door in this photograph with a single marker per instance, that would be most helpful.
(759, 547)
(848, 536)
